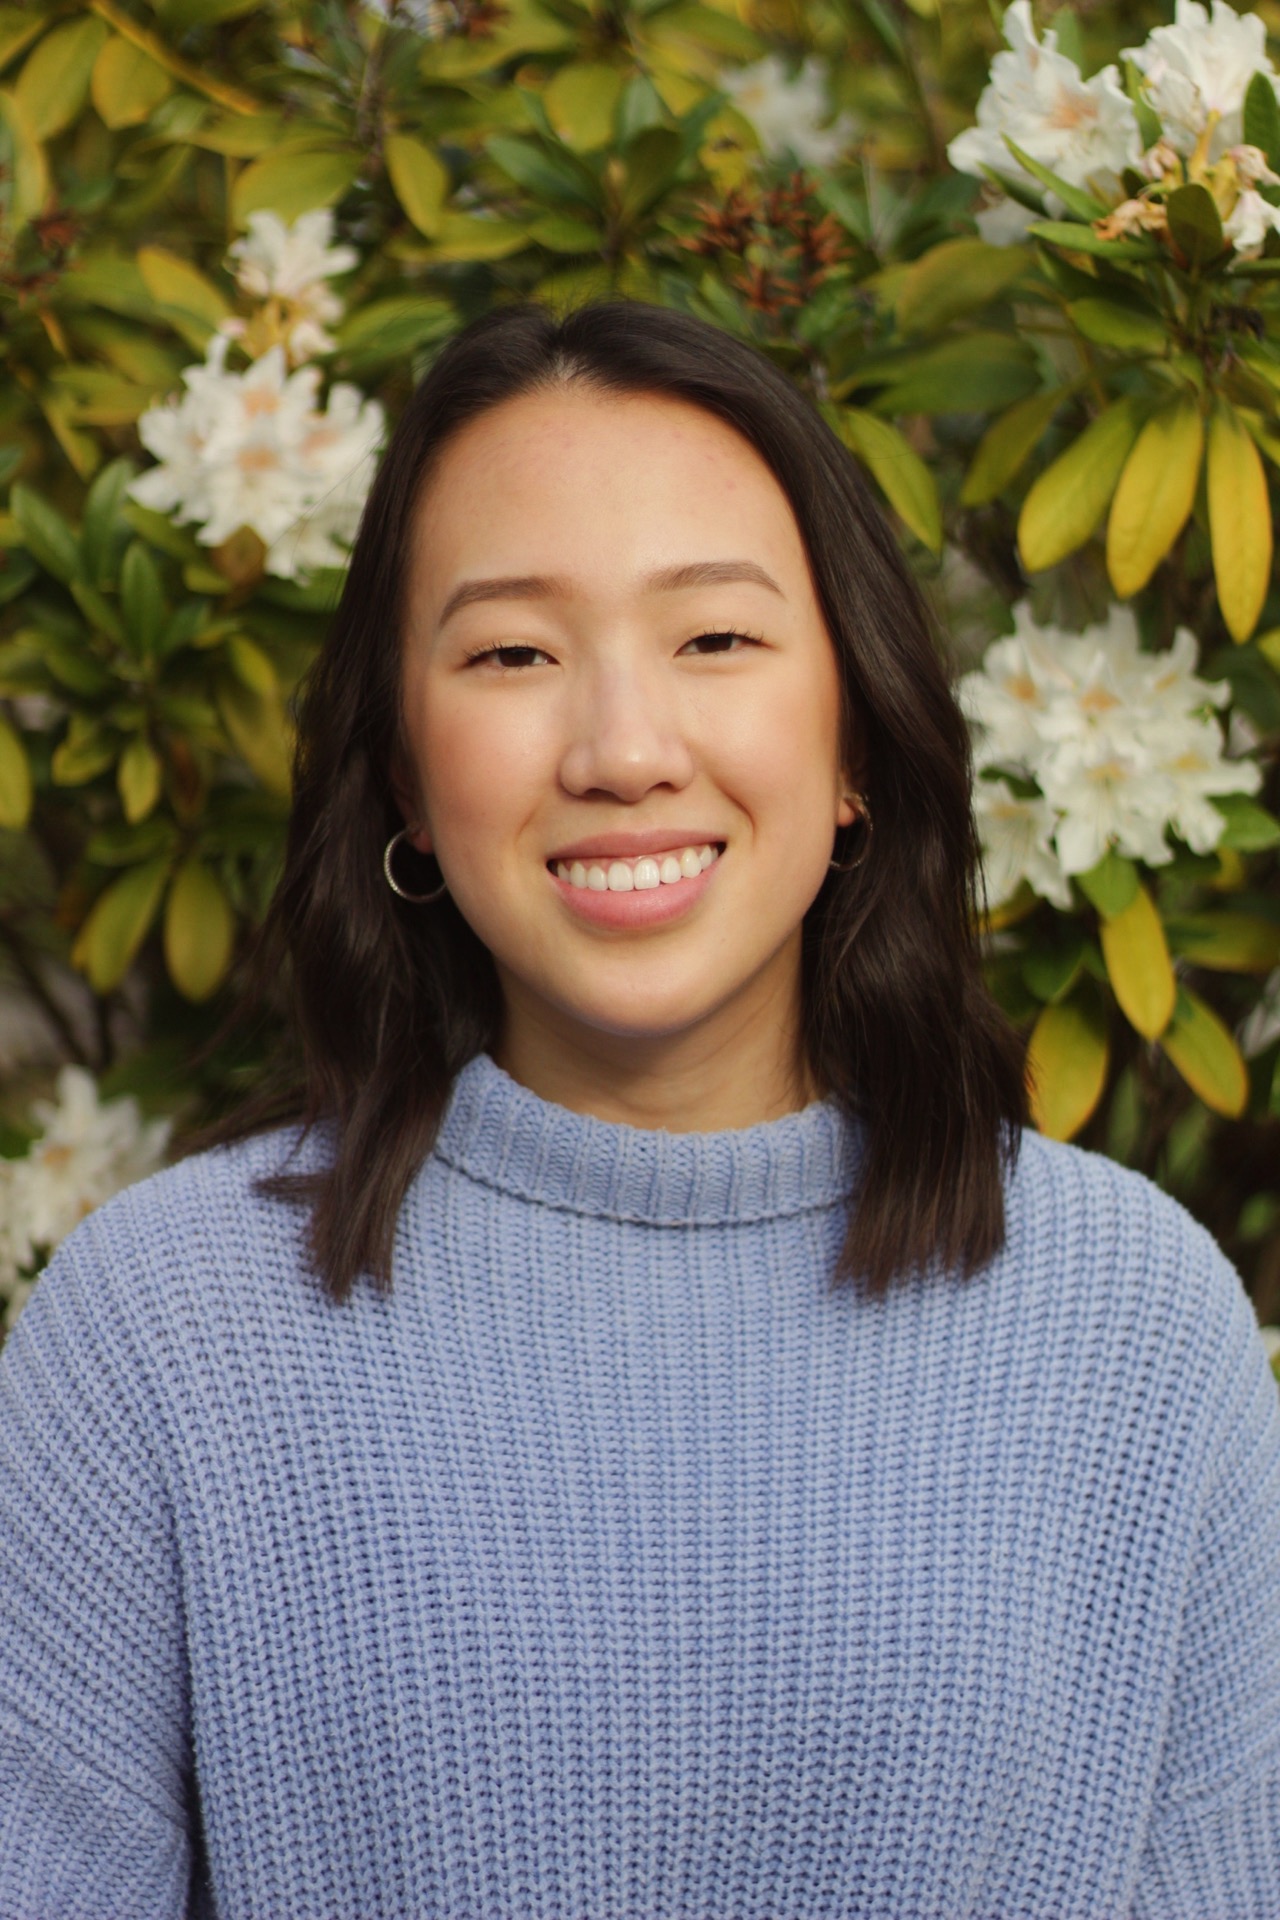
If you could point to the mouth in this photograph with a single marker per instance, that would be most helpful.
(602, 872)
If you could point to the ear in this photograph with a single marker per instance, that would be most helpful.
(852, 781)
(405, 797)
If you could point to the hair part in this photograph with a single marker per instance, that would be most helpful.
(388, 1001)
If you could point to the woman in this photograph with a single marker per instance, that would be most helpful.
(657, 1439)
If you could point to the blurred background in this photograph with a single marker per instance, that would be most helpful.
(1026, 262)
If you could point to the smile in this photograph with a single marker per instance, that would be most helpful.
(638, 876)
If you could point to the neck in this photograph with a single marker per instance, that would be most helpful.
(741, 1065)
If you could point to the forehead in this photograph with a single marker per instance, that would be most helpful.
(601, 477)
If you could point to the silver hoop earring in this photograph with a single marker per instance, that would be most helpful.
(864, 814)
(417, 899)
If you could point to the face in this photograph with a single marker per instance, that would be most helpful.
(621, 704)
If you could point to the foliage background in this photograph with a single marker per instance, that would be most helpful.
(480, 151)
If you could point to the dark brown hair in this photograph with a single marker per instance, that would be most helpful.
(388, 1001)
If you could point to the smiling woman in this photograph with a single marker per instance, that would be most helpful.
(748, 1488)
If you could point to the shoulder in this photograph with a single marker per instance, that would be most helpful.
(1102, 1246)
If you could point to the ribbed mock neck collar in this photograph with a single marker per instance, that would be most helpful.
(502, 1135)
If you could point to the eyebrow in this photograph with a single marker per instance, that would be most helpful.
(536, 586)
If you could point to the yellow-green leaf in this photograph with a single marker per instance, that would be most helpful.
(1109, 323)
(1138, 965)
(580, 102)
(1006, 444)
(421, 181)
(1268, 645)
(184, 295)
(259, 731)
(907, 482)
(1233, 942)
(17, 30)
(1206, 1056)
(1155, 494)
(126, 85)
(121, 918)
(292, 183)
(251, 666)
(473, 236)
(1067, 1066)
(1239, 521)
(199, 932)
(54, 83)
(138, 779)
(29, 182)
(954, 278)
(1069, 498)
(15, 779)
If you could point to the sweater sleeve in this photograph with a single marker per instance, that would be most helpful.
(1213, 1842)
(94, 1721)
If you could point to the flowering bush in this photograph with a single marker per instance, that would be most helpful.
(1030, 281)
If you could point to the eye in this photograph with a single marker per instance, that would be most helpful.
(507, 659)
(721, 641)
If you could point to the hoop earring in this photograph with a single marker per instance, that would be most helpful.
(417, 899)
(864, 814)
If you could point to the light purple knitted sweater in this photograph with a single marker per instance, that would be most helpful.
(617, 1568)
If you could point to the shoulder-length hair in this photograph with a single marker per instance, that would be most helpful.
(388, 1001)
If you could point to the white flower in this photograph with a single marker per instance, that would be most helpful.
(1250, 221)
(786, 112)
(253, 450)
(89, 1149)
(1084, 130)
(1262, 1025)
(1017, 837)
(1122, 744)
(1200, 67)
(424, 16)
(291, 264)
(1003, 221)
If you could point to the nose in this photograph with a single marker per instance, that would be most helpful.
(626, 736)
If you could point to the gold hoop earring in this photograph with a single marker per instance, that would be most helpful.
(417, 899)
(863, 814)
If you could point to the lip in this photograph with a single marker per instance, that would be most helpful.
(633, 843)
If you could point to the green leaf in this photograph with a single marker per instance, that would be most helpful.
(1067, 1062)
(99, 612)
(1050, 971)
(258, 729)
(421, 181)
(1195, 225)
(652, 165)
(184, 295)
(1231, 942)
(142, 598)
(903, 476)
(1206, 1056)
(387, 330)
(83, 753)
(1109, 323)
(199, 932)
(54, 84)
(953, 279)
(547, 172)
(26, 165)
(1066, 502)
(1149, 128)
(563, 233)
(1084, 205)
(127, 85)
(292, 183)
(1082, 239)
(1262, 118)
(138, 779)
(102, 532)
(1007, 443)
(15, 779)
(970, 373)
(1112, 886)
(581, 100)
(45, 534)
(1250, 828)
(107, 944)
(467, 236)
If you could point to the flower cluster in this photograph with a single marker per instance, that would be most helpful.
(1108, 747)
(254, 449)
(787, 112)
(1195, 75)
(88, 1150)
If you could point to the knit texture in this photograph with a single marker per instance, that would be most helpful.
(617, 1566)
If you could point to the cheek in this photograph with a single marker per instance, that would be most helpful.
(780, 747)
(481, 762)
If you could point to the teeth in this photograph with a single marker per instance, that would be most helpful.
(626, 876)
